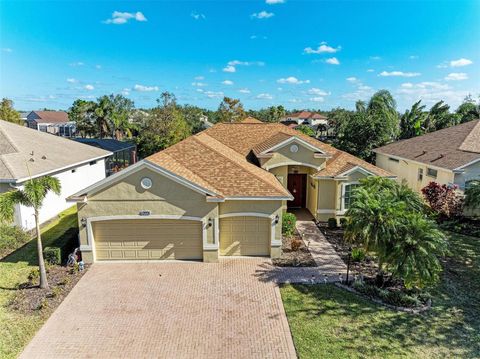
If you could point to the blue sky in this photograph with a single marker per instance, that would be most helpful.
(299, 54)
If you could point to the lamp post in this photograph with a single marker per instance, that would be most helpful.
(348, 262)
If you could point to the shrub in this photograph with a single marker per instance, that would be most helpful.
(11, 237)
(343, 222)
(33, 275)
(358, 254)
(443, 200)
(52, 255)
(288, 224)
(332, 223)
(295, 244)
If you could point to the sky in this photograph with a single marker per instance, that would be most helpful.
(299, 54)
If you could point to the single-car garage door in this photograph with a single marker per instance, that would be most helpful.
(147, 239)
(245, 236)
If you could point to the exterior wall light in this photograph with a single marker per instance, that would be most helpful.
(277, 218)
(210, 222)
(83, 221)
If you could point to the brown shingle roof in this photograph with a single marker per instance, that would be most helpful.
(51, 116)
(251, 120)
(449, 148)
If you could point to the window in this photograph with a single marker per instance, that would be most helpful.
(93, 163)
(393, 159)
(431, 172)
(420, 174)
(347, 196)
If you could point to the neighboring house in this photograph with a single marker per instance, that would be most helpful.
(26, 153)
(124, 154)
(221, 192)
(23, 116)
(448, 156)
(54, 122)
(306, 118)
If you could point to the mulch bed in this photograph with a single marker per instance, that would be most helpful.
(31, 299)
(464, 225)
(367, 267)
(298, 258)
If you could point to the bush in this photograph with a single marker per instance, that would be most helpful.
(11, 238)
(34, 275)
(343, 222)
(288, 224)
(358, 254)
(443, 200)
(295, 244)
(392, 297)
(52, 255)
(332, 223)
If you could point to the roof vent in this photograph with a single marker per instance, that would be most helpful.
(421, 154)
(44, 157)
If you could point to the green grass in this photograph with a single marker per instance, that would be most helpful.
(327, 322)
(17, 329)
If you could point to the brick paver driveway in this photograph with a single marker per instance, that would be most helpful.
(168, 310)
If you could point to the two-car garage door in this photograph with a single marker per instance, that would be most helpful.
(148, 239)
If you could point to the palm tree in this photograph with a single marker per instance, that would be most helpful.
(412, 121)
(32, 195)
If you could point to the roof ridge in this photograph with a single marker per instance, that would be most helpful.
(10, 141)
(475, 132)
(248, 166)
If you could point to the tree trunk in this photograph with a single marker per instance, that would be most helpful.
(41, 262)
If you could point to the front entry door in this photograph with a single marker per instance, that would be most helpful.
(297, 187)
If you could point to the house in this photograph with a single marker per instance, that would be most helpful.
(54, 122)
(26, 153)
(124, 154)
(450, 156)
(220, 192)
(306, 118)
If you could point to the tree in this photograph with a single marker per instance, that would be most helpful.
(32, 195)
(468, 110)
(163, 127)
(439, 117)
(111, 116)
(82, 113)
(194, 115)
(305, 129)
(269, 114)
(230, 110)
(389, 219)
(8, 113)
(412, 121)
(472, 194)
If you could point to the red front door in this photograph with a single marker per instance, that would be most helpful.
(297, 187)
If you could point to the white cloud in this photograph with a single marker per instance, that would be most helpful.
(199, 78)
(89, 87)
(120, 18)
(370, 70)
(362, 92)
(413, 57)
(98, 67)
(273, 2)
(399, 74)
(253, 37)
(317, 99)
(143, 88)
(245, 90)
(197, 16)
(323, 48)
(460, 62)
(265, 96)
(199, 84)
(430, 92)
(262, 15)
(229, 68)
(126, 92)
(7, 49)
(375, 58)
(456, 76)
(292, 81)
(318, 92)
(332, 61)
(351, 79)
(78, 63)
(72, 80)
(227, 82)
(213, 94)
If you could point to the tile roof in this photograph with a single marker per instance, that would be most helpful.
(43, 152)
(216, 159)
(449, 148)
(308, 114)
(51, 116)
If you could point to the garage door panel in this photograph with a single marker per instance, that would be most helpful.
(148, 239)
(246, 236)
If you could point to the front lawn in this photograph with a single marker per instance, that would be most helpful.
(17, 328)
(327, 322)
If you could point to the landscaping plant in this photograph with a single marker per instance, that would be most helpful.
(472, 194)
(443, 200)
(32, 195)
(288, 224)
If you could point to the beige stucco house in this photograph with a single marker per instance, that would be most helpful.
(221, 192)
(448, 156)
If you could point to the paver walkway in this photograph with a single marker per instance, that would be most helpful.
(230, 309)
